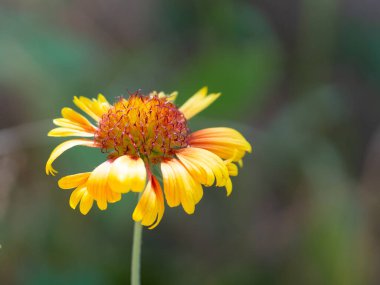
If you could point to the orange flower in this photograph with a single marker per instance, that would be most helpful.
(138, 133)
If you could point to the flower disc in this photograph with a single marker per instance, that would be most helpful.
(148, 127)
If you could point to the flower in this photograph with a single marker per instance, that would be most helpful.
(141, 133)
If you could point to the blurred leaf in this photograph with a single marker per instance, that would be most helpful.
(43, 61)
(241, 74)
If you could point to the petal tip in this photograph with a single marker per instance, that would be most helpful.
(50, 171)
(84, 212)
(203, 90)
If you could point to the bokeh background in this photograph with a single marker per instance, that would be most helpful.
(301, 80)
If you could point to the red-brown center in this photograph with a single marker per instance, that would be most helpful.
(148, 127)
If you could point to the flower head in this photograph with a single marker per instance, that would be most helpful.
(138, 133)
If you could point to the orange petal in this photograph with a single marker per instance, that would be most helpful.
(62, 148)
(224, 142)
(198, 102)
(127, 174)
(150, 208)
(73, 181)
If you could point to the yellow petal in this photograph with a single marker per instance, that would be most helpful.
(229, 187)
(198, 102)
(86, 203)
(170, 97)
(112, 196)
(73, 181)
(76, 196)
(183, 188)
(206, 161)
(103, 103)
(144, 202)
(65, 123)
(150, 208)
(81, 195)
(227, 143)
(75, 117)
(100, 106)
(232, 169)
(221, 151)
(97, 184)
(196, 160)
(102, 204)
(198, 169)
(180, 184)
(62, 148)
(127, 174)
(87, 106)
(170, 186)
(68, 132)
(160, 208)
(99, 188)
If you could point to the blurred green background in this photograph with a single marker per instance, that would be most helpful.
(301, 80)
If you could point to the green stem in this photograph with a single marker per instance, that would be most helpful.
(136, 252)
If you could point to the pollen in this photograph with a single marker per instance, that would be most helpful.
(148, 127)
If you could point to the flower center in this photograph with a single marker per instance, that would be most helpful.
(148, 127)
